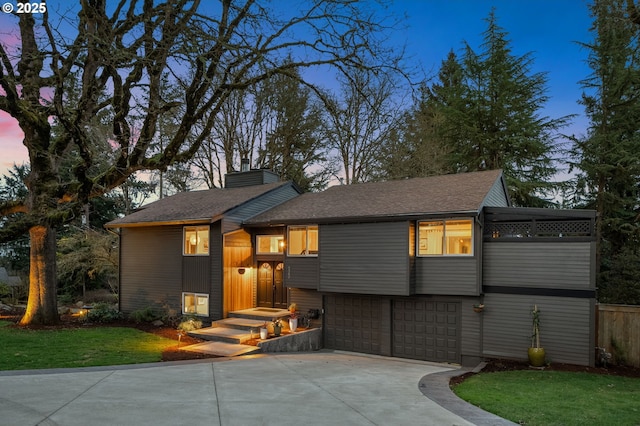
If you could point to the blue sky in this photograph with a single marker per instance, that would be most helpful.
(549, 29)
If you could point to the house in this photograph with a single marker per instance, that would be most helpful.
(395, 267)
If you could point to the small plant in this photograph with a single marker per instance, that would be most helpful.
(147, 314)
(535, 337)
(293, 310)
(104, 313)
(277, 322)
(190, 323)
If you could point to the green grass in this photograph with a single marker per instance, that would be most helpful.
(23, 349)
(555, 397)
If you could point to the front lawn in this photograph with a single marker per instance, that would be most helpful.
(24, 348)
(555, 397)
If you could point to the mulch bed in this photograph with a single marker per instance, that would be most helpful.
(497, 365)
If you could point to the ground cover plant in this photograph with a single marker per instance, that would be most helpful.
(552, 397)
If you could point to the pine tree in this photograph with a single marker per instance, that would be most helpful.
(608, 157)
(500, 126)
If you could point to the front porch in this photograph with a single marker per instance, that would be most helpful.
(239, 334)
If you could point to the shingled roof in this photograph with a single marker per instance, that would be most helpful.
(455, 193)
(193, 206)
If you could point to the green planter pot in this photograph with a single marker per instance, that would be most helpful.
(536, 357)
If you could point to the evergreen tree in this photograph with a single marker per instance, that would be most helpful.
(500, 126)
(484, 113)
(608, 157)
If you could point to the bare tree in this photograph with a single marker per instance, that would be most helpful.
(359, 121)
(121, 55)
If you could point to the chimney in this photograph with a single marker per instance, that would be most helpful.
(244, 165)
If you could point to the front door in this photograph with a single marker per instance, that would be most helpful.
(271, 290)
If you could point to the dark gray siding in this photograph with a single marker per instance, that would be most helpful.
(250, 178)
(215, 254)
(151, 267)
(454, 275)
(196, 274)
(307, 299)
(566, 327)
(365, 258)
(560, 265)
(470, 331)
(234, 218)
(301, 272)
(496, 196)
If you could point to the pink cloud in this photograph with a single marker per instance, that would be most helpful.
(12, 151)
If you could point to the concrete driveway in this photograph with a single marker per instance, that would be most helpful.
(317, 388)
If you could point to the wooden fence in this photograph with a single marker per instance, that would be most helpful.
(618, 328)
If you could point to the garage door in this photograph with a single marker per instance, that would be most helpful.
(426, 330)
(352, 323)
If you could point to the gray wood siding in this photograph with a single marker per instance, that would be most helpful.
(215, 253)
(301, 272)
(365, 258)
(234, 218)
(307, 299)
(471, 331)
(566, 327)
(151, 267)
(496, 196)
(250, 178)
(447, 275)
(561, 265)
(196, 274)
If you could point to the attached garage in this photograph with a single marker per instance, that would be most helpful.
(426, 330)
(416, 328)
(354, 323)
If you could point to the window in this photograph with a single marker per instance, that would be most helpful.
(302, 241)
(270, 244)
(445, 237)
(196, 240)
(195, 304)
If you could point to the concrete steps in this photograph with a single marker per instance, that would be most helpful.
(227, 337)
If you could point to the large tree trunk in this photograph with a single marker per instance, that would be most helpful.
(42, 307)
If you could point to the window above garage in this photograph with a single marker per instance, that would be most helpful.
(445, 237)
(302, 240)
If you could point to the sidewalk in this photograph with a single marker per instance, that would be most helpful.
(314, 388)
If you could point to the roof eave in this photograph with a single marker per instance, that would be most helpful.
(356, 219)
(160, 223)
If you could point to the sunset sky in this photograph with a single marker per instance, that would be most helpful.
(549, 29)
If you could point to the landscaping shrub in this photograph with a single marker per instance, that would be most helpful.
(189, 323)
(148, 314)
(104, 313)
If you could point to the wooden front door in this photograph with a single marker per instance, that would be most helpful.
(271, 290)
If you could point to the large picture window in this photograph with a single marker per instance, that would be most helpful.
(195, 304)
(196, 241)
(445, 237)
(302, 241)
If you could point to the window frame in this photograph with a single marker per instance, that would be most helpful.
(306, 252)
(444, 237)
(196, 228)
(195, 296)
(277, 237)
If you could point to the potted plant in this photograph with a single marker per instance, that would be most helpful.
(536, 353)
(264, 332)
(478, 307)
(293, 317)
(277, 326)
